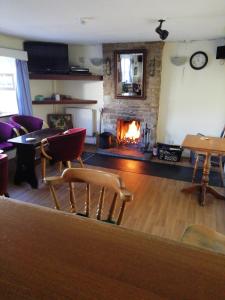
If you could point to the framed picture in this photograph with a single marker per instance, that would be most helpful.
(63, 121)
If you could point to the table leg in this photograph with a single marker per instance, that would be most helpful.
(205, 179)
(204, 188)
(25, 166)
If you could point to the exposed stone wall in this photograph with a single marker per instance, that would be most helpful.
(144, 110)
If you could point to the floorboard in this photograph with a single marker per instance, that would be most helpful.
(159, 207)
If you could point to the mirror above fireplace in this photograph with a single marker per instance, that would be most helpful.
(130, 74)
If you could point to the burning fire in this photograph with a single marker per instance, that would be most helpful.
(133, 132)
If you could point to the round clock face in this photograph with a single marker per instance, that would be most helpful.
(198, 60)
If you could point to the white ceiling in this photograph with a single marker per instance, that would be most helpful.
(112, 21)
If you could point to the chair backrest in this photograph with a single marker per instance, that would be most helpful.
(97, 178)
(222, 135)
(26, 123)
(7, 131)
(68, 145)
(204, 237)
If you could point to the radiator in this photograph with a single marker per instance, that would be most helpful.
(82, 117)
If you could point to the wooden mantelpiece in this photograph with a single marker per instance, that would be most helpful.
(66, 77)
(65, 101)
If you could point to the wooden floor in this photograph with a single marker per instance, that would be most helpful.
(159, 207)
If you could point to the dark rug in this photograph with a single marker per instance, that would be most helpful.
(148, 168)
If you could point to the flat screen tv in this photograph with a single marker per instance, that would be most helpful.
(220, 53)
(47, 57)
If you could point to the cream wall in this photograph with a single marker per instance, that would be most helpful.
(191, 101)
(11, 42)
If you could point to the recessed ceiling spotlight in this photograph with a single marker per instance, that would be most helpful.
(85, 20)
(163, 34)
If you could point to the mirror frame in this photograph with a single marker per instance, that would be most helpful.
(116, 53)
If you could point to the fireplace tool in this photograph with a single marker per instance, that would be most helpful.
(146, 139)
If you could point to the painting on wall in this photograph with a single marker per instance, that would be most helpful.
(62, 121)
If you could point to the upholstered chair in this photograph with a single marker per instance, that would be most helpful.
(26, 124)
(7, 131)
(3, 175)
(64, 147)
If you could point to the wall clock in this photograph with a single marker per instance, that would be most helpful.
(198, 60)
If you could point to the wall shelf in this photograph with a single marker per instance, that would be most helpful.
(66, 77)
(65, 101)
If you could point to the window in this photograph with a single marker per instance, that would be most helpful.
(8, 98)
(126, 69)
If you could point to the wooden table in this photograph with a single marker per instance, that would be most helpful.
(25, 165)
(208, 145)
(48, 254)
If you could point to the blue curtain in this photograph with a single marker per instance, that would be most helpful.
(23, 88)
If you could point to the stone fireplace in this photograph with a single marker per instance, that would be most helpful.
(144, 112)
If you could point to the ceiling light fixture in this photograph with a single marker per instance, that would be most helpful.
(85, 20)
(163, 34)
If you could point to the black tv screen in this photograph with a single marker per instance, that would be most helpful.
(47, 57)
(220, 53)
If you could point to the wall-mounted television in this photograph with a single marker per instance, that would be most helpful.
(46, 57)
(220, 53)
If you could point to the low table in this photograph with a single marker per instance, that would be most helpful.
(208, 145)
(25, 146)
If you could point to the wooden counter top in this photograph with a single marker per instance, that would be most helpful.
(207, 144)
(46, 254)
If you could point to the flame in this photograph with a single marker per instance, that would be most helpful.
(133, 131)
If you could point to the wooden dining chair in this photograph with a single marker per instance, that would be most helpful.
(204, 237)
(64, 147)
(98, 178)
(216, 160)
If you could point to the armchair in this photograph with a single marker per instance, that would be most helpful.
(7, 131)
(3, 175)
(25, 124)
(63, 147)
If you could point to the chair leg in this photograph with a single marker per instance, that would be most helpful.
(54, 197)
(80, 161)
(221, 169)
(43, 167)
(195, 168)
(118, 222)
(69, 165)
(60, 167)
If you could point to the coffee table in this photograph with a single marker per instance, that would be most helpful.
(25, 152)
(209, 146)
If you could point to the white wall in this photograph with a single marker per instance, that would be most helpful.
(191, 101)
